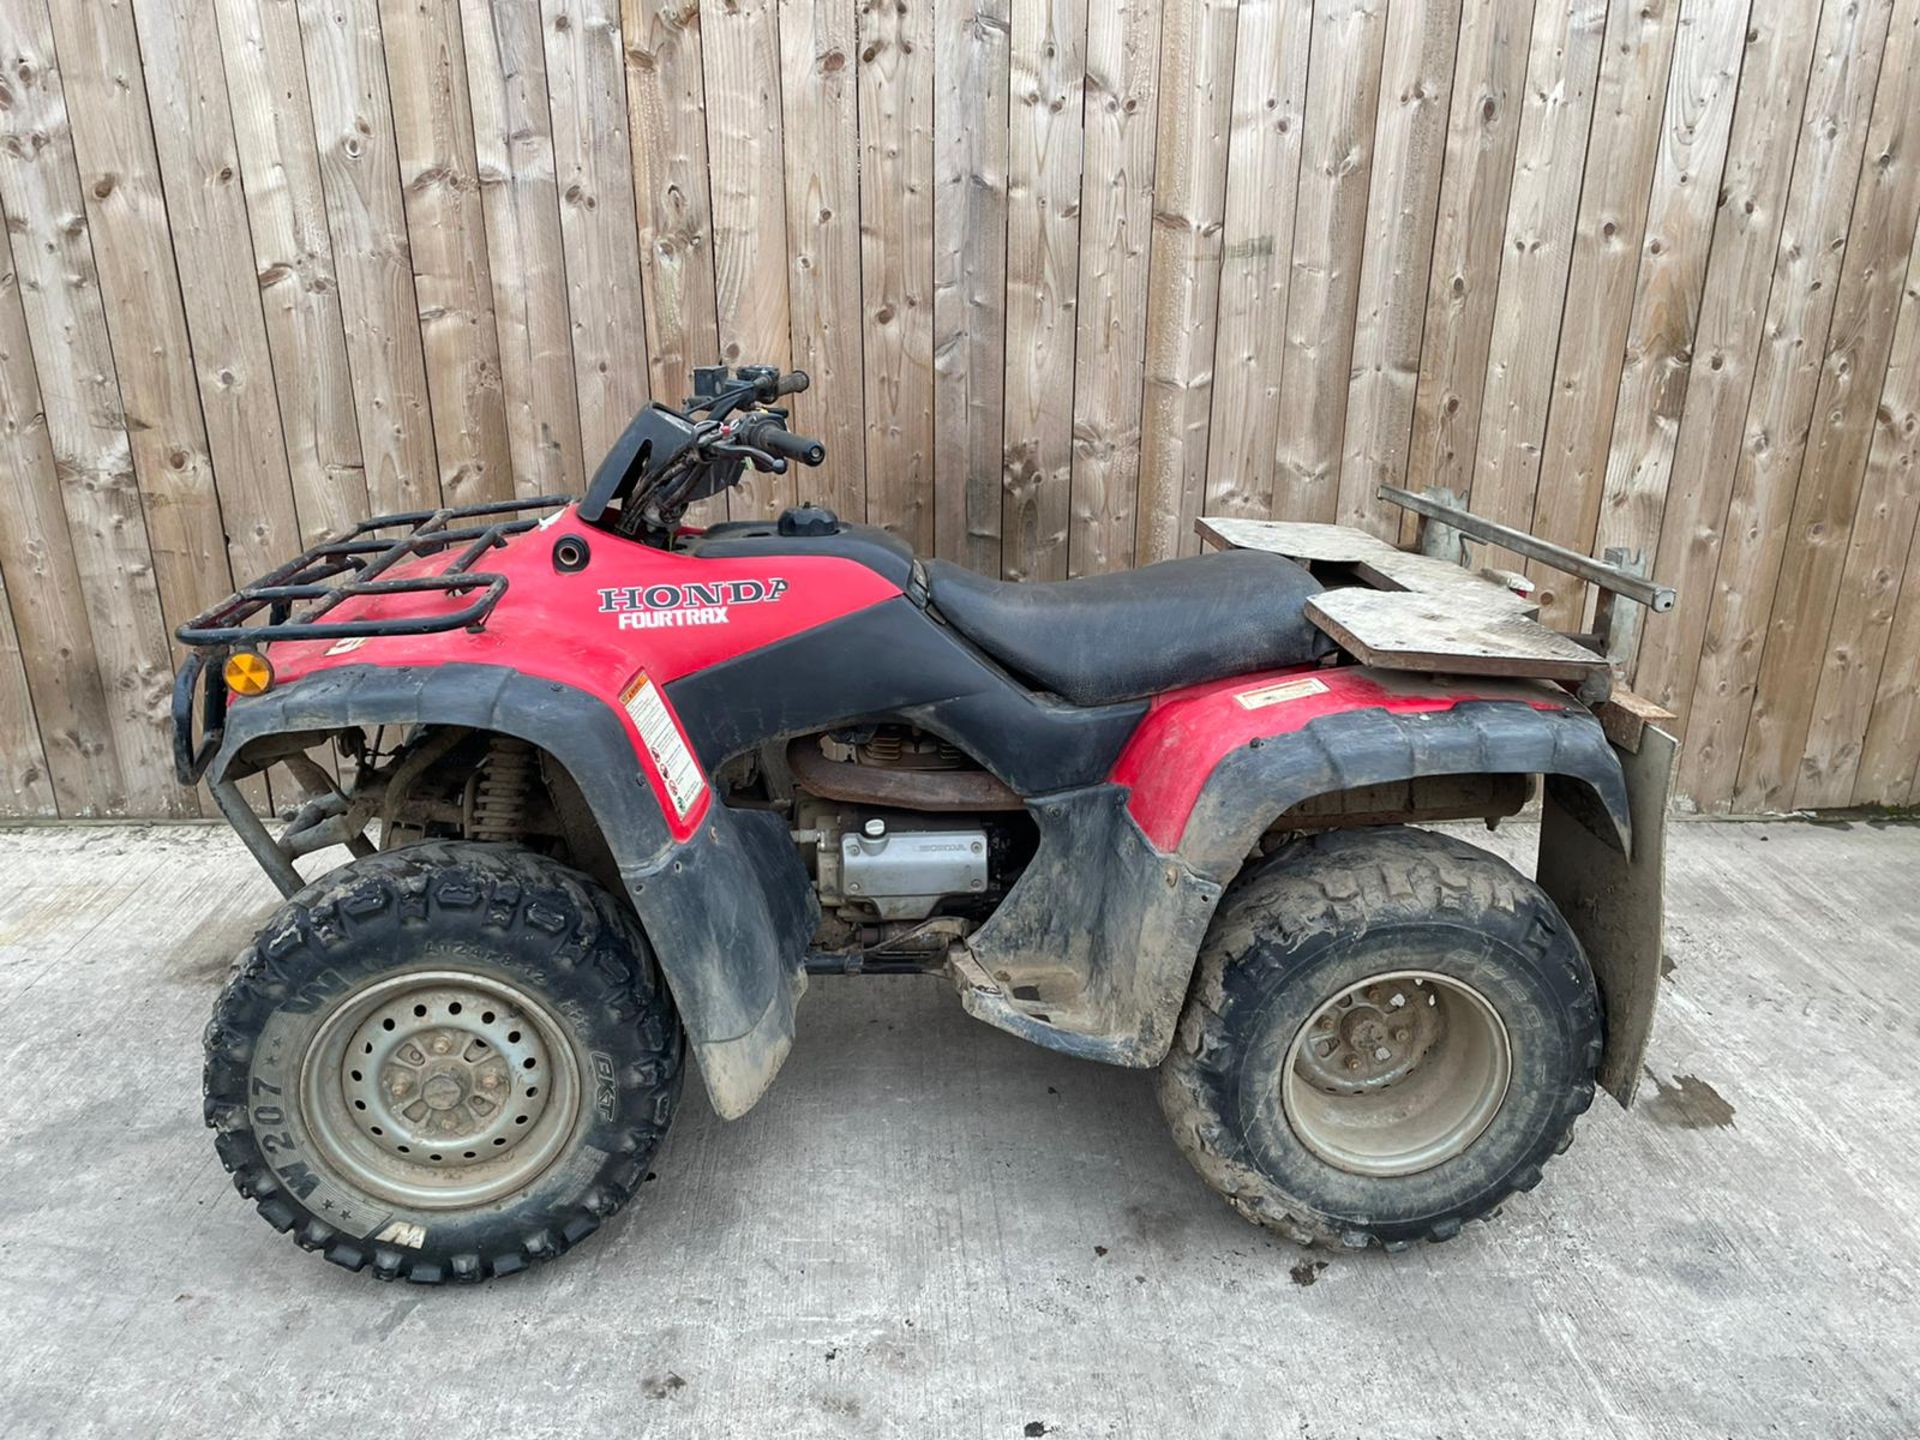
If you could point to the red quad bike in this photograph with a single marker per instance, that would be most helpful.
(614, 787)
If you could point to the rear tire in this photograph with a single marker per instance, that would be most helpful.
(444, 1062)
(1389, 1033)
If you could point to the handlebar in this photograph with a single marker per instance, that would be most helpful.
(668, 458)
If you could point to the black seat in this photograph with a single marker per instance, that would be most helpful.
(1137, 632)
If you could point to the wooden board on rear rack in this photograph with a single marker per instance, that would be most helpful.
(1415, 612)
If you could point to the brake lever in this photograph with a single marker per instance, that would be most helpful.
(762, 460)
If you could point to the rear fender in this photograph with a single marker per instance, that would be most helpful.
(729, 911)
(1212, 767)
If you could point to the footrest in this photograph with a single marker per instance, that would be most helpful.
(1053, 1026)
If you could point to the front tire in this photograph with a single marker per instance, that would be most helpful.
(1389, 1033)
(445, 1062)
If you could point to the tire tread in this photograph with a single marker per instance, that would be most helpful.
(1340, 882)
(413, 883)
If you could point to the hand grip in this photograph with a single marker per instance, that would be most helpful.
(795, 447)
(770, 384)
(766, 433)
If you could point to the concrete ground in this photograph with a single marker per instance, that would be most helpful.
(929, 1228)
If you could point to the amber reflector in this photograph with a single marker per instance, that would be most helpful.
(247, 673)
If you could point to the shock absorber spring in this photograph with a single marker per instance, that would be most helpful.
(496, 798)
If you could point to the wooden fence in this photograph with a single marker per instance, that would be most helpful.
(1067, 274)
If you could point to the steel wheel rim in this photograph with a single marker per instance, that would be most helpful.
(1396, 1074)
(440, 1089)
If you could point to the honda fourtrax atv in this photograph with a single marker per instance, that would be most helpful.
(613, 787)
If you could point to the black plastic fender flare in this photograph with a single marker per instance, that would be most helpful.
(1254, 784)
(729, 913)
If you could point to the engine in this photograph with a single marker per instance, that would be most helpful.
(904, 834)
(902, 873)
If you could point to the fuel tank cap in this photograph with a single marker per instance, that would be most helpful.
(808, 519)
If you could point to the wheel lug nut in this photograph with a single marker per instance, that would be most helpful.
(1373, 992)
(490, 1081)
(1402, 1035)
(401, 1085)
(442, 1045)
(1326, 1022)
(1353, 1062)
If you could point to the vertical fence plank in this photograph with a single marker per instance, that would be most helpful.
(1483, 129)
(666, 102)
(198, 153)
(140, 291)
(259, 41)
(1680, 242)
(1885, 209)
(1329, 229)
(366, 218)
(1409, 144)
(1870, 582)
(1043, 282)
(744, 144)
(970, 294)
(39, 570)
(1116, 216)
(1784, 50)
(506, 58)
(433, 136)
(819, 102)
(65, 316)
(1195, 116)
(127, 218)
(25, 787)
(1629, 118)
(896, 220)
(1888, 772)
(1813, 235)
(207, 216)
(599, 226)
(1548, 161)
(1266, 131)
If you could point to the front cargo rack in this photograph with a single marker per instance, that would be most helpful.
(365, 556)
(348, 566)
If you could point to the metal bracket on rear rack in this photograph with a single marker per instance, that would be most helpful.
(1445, 524)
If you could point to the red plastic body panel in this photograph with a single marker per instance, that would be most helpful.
(633, 608)
(1186, 733)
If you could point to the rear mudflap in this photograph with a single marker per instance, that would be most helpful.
(1616, 902)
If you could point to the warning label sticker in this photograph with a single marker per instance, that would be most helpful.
(1279, 694)
(679, 771)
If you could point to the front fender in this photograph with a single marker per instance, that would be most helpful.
(729, 911)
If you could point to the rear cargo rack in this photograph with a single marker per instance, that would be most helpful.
(348, 566)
